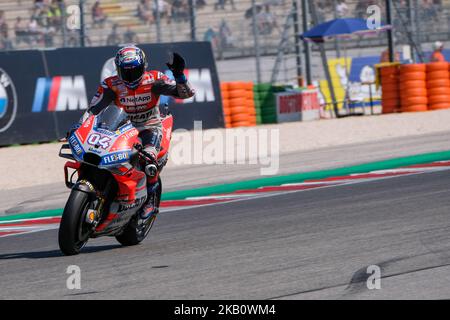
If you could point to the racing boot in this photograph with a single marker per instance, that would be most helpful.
(150, 207)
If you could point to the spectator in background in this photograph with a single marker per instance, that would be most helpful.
(39, 13)
(199, 4)
(266, 21)
(320, 11)
(3, 23)
(21, 32)
(34, 31)
(180, 11)
(221, 4)
(385, 56)
(39, 4)
(98, 16)
(130, 37)
(54, 15)
(437, 55)
(144, 12)
(163, 8)
(211, 36)
(5, 42)
(341, 9)
(48, 34)
(113, 38)
(225, 35)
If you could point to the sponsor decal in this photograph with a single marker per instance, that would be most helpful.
(104, 132)
(60, 94)
(148, 79)
(90, 186)
(129, 206)
(136, 100)
(94, 150)
(97, 97)
(115, 157)
(125, 129)
(75, 145)
(8, 101)
(290, 103)
(141, 117)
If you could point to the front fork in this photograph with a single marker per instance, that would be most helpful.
(99, 212)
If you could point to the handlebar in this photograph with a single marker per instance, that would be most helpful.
(147, 156)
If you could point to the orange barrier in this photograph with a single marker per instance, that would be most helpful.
(413, 87)
(238, 104)
(390, 89)
(438, 85)
(226, 104)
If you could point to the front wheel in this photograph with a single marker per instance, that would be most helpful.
(74, 232)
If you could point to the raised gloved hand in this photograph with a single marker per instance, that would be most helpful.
(177, 67)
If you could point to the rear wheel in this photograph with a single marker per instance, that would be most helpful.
(136, 231)
(74, 232)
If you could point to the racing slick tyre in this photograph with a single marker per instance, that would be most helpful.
(74, 232)
(137, 229)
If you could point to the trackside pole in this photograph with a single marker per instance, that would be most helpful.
(298, 54)
(323, 55)
(256, 40)
(82, 25)
(192, 14)
(307, 49)
(390, 35)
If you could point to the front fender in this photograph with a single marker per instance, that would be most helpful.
(87, 187)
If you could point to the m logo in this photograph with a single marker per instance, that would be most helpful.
(202, 83)
(60, 94)
(8, 101)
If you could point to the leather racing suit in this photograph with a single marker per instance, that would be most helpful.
(141, 103)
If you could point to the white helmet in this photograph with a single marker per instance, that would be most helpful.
(438, 45)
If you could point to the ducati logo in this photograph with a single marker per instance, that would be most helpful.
(8, 101)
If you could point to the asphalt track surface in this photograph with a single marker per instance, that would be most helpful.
(299, 245)
(53, 196)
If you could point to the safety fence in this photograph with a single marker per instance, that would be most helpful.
(235, 28)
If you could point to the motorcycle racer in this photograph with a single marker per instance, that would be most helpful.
(137, 91)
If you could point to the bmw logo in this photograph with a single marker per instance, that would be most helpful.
(8, 101)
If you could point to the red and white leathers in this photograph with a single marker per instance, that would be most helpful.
(141, 103)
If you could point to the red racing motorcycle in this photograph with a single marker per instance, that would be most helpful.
(108, 181)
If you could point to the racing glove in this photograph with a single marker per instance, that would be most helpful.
(177, 67)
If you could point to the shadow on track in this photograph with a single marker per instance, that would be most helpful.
(54, 253)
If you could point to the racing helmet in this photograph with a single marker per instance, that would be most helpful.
(131, 64)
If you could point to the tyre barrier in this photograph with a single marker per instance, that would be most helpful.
(238, 104)
(413, 87)
(438, 85)
(265, 103)
(226, 104)
(390, 93)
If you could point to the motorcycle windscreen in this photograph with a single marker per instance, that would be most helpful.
(111, 118)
